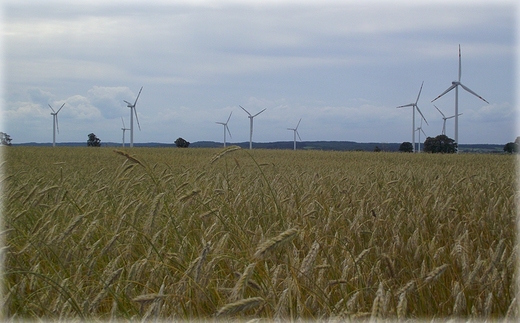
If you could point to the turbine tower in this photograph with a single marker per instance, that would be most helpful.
(55, 125)
(455, 85)
(124, 129)
(444, 118)
(226, 128)
(296, 133)
(132, 112)
(251, 125)
(414, 106)
(419, 130)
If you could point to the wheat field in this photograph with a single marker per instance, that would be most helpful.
(210, 234)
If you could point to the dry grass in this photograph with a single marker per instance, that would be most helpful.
(205, 233)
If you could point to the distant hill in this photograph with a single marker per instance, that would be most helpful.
(305, 145)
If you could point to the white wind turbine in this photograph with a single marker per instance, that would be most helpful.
(455, 85)
(226, 128)
(132, 112)
(419, 130)
(251, 125)
(296, 133)
(55, 125)
(444, 118)
(124, 129)
(414, 106)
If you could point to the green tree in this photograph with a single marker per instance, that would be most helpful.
(511, 147)
(181, 143)
(93, 141)
(406, 147)
(440, 144)
(5, 139)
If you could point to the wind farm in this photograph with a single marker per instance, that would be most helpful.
(455, 85)
(414, 106)
(444, 118)
(226, 131)
(184, 220)
(419, 130)
(295, 131)
(251, 117)
(226, 128)
(124, 129)
(132, 112)
(55, 125)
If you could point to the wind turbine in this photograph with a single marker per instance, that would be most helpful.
(455, 85)
(414, 106)
(419, 130)
(296, 133)
(251, 125)
(132, 112)
(55, 125)
(444, 118)
(226, 128)
(124, 129)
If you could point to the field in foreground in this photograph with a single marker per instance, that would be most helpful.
(203, 233)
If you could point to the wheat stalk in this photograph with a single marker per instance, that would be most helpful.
(223, 152)
(238, 290)
(308, 261)
(273, 243)
(377, 305)
(201, 261)
(131, 158)
(402, 306)
(240, 306)
(435, 273)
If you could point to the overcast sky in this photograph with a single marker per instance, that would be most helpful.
(341, 66)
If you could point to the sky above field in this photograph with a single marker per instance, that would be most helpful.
(341, 66)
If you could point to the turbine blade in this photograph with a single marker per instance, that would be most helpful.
(460, 64)
(228, 130)
(259, 112)
(137, 118)
(298, 135)
(475, 94)
(229, 117)
(52, 108)
(57, 124)
(423, 131)
(439, 111)
(421, 114)
(419, 93)
(128, 103)
(449, 89)
(60, 108)
(138, 94)
(123, 121)
(245, 110)
(406, 105)
(298, 124)
(453, 116)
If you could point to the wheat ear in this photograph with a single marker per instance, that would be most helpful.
(275, 242)
(240, 306)
(435, 274)
(238, 290)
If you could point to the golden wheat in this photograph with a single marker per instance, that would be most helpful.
(90, 232)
